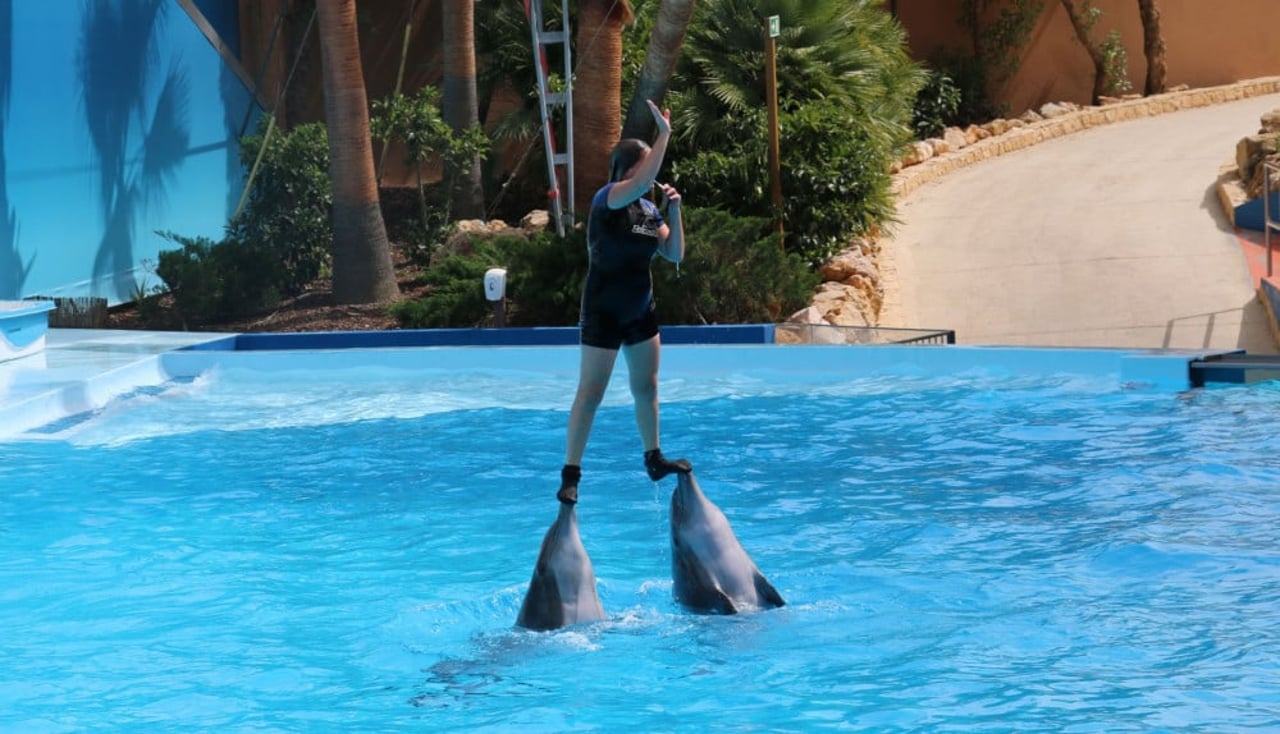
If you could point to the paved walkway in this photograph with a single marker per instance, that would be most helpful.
(1110, 237)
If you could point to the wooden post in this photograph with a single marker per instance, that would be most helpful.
(771, 96)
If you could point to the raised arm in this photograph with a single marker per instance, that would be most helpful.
(641, 179)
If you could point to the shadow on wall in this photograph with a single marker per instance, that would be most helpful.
(13, 272)
(117, 60)
(238, 113)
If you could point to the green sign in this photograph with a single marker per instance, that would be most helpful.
(775, 26)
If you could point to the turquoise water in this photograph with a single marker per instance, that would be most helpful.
(300, 552)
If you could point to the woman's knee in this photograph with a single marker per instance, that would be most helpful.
(590, 396)
(645, 388)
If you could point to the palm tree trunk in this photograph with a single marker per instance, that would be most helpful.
(1153, 47)
(459, 102)
(362, 268)
(597, 94)
(659, 63)
(1095, 52)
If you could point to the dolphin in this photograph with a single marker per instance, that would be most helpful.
(712, 573)
(563, 588)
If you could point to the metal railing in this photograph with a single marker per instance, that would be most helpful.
(1268, 224)
(795, 333)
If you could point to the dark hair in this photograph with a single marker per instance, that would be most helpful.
(624, 156)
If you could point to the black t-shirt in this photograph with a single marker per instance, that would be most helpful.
(621, 243)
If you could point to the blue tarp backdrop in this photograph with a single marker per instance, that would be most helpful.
(118, 119)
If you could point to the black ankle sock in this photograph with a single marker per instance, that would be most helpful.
(660, 466)
(570, 475)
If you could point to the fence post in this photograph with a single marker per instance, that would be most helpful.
(1267, 222)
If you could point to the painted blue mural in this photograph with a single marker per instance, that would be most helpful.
(118, 120)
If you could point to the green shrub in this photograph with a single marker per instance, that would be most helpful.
(937, 105)
(287, 212)
(1116, 66)
(456, 298)
(544, 283)
(733, 272)
(213, 281)
(418, 124)
(970, 78)
(835, 176)
(545, 274)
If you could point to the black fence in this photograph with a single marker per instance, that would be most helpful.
(792, 333)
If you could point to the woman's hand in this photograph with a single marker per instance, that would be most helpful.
(670, 197)
(662, 118)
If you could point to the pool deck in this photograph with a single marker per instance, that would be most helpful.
(59, 379)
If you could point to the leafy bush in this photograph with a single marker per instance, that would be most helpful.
(287, 212)
(212, 281)
(457, 295)
(544, 283)
(277, 245)
(418, 124)
(970, 78)
(734, 272)
(1116, 65)
(937, 105)
(835, 176)
(545, 275)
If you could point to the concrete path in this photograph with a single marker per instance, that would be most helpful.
(1110, 237)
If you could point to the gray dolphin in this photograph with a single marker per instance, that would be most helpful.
(711, 571)
(563, 588)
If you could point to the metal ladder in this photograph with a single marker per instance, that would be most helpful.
(542, 37)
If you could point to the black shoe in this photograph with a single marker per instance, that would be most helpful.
(570, 475)
(659, 466)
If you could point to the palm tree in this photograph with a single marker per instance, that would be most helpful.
(659, 63)
(1152, 46)
(460, 105)
(597, 94)
(362, 268)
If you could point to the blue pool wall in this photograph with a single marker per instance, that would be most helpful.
(84, 117)
(521, 336)
(74, 389)
(755, 349)
(1126, 368)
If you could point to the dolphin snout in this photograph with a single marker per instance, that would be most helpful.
(684, 481)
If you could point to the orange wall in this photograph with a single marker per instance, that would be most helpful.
(1210, 42)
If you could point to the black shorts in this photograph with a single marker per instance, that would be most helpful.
(606, 332)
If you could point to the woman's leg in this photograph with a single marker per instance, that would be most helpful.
(642, 367)
(595, 368)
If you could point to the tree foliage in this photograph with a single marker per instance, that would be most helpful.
(846, 89)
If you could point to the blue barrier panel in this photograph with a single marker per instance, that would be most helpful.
(512, 337)
(119, 124)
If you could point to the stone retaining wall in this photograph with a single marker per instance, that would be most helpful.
(906, 181)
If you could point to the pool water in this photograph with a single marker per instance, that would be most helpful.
(248, 551)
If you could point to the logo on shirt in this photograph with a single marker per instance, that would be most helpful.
(646, 229)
